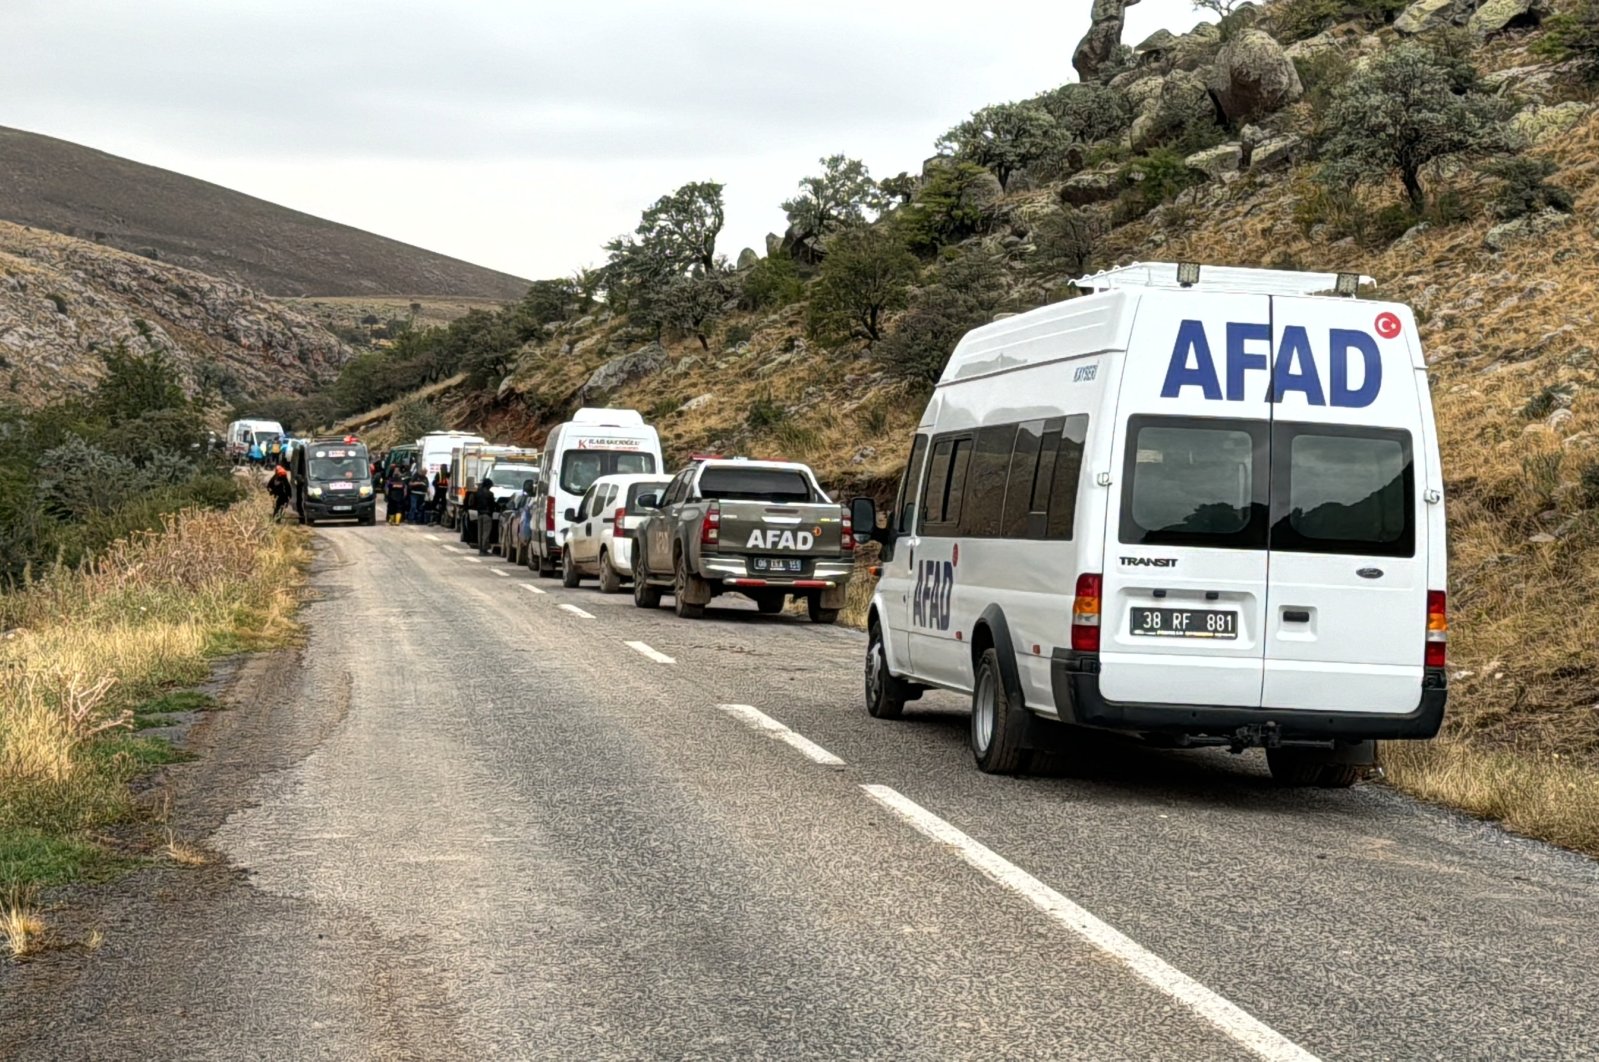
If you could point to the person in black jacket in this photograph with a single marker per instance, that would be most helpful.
(441, 493)
(484, 506)
(278, 487)
(395, 496)
(417, 488)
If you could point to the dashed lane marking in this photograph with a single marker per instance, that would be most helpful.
(759, 720)
(501, 573)
(473, 560)
(436, 538)
(1226, 1017)
(574, 610)
(530, 588)
(644, 650)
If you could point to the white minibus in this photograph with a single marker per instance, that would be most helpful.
(594, 443)
(1200, 506)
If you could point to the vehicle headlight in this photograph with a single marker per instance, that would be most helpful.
(315, 492)
(366, 491)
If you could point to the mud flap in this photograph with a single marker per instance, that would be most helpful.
(833, 598)
(699, 591)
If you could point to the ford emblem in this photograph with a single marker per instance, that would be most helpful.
(1370, 573)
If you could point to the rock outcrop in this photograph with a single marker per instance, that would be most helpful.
(624, 369)
(1497, 15)
(1424, 16)
(1253, 77)
(1103, 41)
(1177, 100)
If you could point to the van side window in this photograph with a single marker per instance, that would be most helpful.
(1195, 481)
(905, 506)
(946, 483)
(1021, 480)
(983, 510)
(1068, 466)
(937, 484)
(1342, 489)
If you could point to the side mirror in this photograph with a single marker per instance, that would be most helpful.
(527, 486)
(863, 515)
(571, 514)
(648, 501)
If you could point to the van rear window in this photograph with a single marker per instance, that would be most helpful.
(778, 486)
(1193, 481)
(1343, 490)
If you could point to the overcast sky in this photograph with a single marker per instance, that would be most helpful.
(522, 134)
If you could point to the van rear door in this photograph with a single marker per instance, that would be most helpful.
(1183, 595)
(1347, 594)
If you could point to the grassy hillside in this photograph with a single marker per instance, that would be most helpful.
(77, 191)
(1495, 253)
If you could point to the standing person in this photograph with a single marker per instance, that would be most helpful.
(395, 496)
(441, 493)
(417, 489)
(483, 502)
(278, 487)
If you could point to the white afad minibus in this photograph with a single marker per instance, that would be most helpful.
(1199, 506)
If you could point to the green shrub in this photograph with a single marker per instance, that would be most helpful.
(734, 334)
(1573, 35)
(1151, 180)
(772, 282)
(1065, 240)
(765, 413)
(951, 205)
(1321, 73)
(1523, 190)
(1087, 113)
(1296, 20)
(965, 291)
(864, 278)
(1545, 402)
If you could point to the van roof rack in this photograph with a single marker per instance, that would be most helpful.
(1164, 276)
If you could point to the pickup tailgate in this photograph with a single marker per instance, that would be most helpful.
(759, 529)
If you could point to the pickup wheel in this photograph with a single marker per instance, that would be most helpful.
(680, 578)
(997, 727)
(610, 582)
(644, 595)
(818, 614)
(885, 695)
(570, 576)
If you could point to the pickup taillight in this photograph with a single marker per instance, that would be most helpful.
(549, 514)
(849, 532)
(711, 526)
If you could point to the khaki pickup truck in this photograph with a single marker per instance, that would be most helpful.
(760, 528)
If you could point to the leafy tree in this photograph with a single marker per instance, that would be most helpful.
(546, 302)
(1087, 112)
(865, 276)
(835, 199)
(773, 281)
(1574, 34)
(693, 305)
(964, 292)
(1004, 138)
(136, 383)
(1524, 191)
(1065, 240)
(950, 206)
(414, 418)
(897, 190)
(677, 233)
(1403, 111)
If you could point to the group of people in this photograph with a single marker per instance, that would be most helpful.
(411, 499)
(268, 452)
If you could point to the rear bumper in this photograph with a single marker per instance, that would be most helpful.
(1075, 680)
(351, 510)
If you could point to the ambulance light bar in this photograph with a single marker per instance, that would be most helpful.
(1170, 276)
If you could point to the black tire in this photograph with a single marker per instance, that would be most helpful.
(818, 614)
(644, 595)
(680, 578)
(508, 553)
(885, 694)
(1295, 769)
(769, 604)
(547, 568)
(997, 727)
(610, 582)
(571, 578)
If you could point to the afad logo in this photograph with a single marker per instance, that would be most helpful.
(1351, 355)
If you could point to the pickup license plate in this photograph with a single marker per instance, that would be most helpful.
(1184, 623)
(777, 564)
(342, 508)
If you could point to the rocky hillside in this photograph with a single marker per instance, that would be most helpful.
(77, 191)
(61, 299)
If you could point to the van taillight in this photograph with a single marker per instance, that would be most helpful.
(1437, 629)
(549, 514)
(621, 514)
(711, 526)
(849, 532)
(1085, 614)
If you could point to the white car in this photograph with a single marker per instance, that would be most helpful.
(599, 535)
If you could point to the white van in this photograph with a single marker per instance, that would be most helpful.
(1207, 511)
(243, 433)
(594, 443)
(436, 447)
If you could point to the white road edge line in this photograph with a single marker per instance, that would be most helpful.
(574, 610)
(530, 588)
(501, 573)
(759, 720)
(644, 650)
(1226, 1017)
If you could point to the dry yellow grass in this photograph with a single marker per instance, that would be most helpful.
(21, 926)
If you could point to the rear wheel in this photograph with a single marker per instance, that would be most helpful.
(547, 568)
(644, 595)
(610, 581)
(885, 696)
(1302, 768)
(997, 727)
(680, 586)
(769, 604)
(818, 614)
(570, 577)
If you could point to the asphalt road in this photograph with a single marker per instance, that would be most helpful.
(469, 822)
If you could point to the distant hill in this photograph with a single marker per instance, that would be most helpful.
(77, 191)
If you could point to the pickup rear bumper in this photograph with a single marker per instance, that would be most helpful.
(1075, 681)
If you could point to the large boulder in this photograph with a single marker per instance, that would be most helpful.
(1253, 77)
(624, 369)
(1537, 123)
(1087, 188)
(1182, 100)
(1424, 16)
(747, 258)
(1531, 227)
(1103, 41)
(1156, 46)
(1196, 48)
(1496, 15)
(1275, 151)
(1217, 162)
